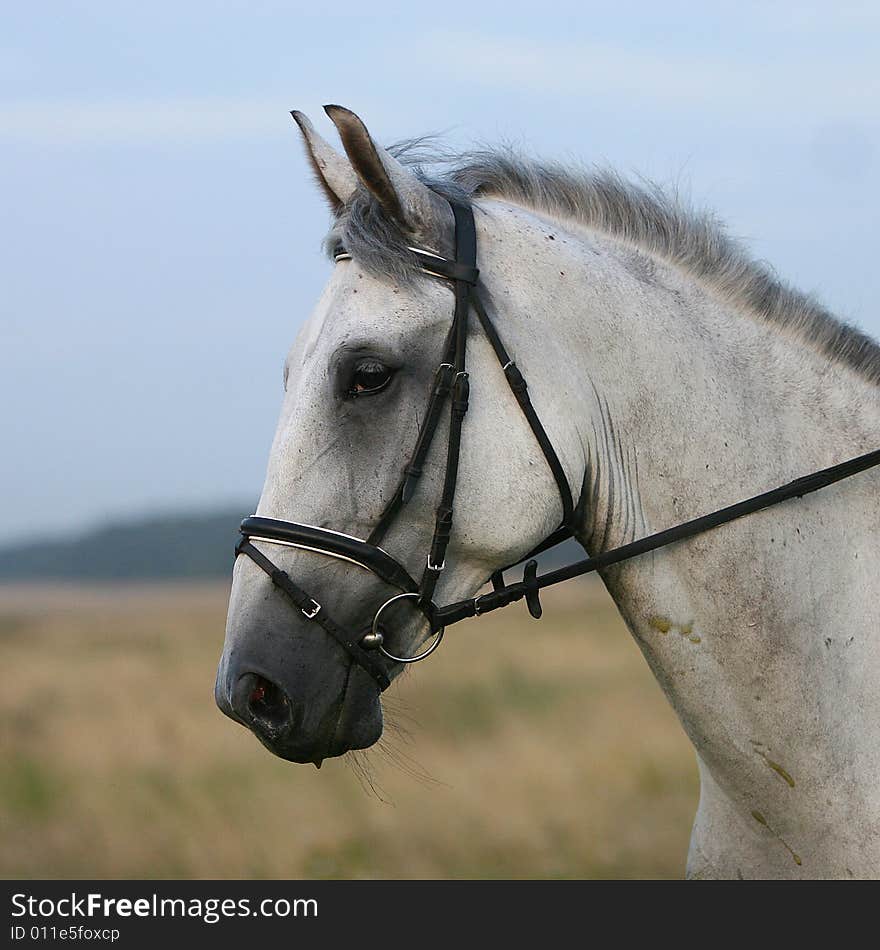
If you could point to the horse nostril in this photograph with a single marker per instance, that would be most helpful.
(265, 704)
(269, 704)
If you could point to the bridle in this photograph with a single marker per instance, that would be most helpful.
(451, 383)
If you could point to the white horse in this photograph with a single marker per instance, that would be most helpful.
(674, 375)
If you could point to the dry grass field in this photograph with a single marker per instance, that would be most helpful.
(520, 750)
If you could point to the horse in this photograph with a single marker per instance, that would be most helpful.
(672, 374)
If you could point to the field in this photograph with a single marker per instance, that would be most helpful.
(519, 750)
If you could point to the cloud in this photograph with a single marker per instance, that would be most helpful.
(197, 120)
(676, 79)
(182, 120)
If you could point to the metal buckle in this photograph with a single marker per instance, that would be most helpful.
(310, 615)
(434, 567)
(477, 605)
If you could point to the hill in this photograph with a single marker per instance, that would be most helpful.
(154, 548)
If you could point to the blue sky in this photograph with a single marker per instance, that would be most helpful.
(160, 239)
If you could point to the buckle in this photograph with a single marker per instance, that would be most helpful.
(311, 614)
(435, 567)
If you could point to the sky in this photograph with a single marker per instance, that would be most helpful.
(160, 238)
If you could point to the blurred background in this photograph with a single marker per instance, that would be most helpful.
(160, 245)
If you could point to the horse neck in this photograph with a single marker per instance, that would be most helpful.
(664, 400)
(668, 403)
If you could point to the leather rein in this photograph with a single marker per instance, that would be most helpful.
(451, 383)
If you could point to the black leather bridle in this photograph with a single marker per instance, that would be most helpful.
(451, 380)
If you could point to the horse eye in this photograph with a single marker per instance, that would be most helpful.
(369, 377)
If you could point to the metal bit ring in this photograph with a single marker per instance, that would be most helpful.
(374, 632)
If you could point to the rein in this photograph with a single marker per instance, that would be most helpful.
(532, 583)
(451, 383)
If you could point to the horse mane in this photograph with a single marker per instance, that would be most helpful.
(640, 214)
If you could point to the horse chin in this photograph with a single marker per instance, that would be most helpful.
(355, 722)
(336, 718)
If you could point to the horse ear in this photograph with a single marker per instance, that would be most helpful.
(333, 171)
(401, 194)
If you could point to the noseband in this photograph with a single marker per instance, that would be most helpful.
(451, 383)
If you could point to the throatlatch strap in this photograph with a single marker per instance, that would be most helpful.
(520, 389)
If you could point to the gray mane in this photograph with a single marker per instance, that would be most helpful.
(639, 214)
